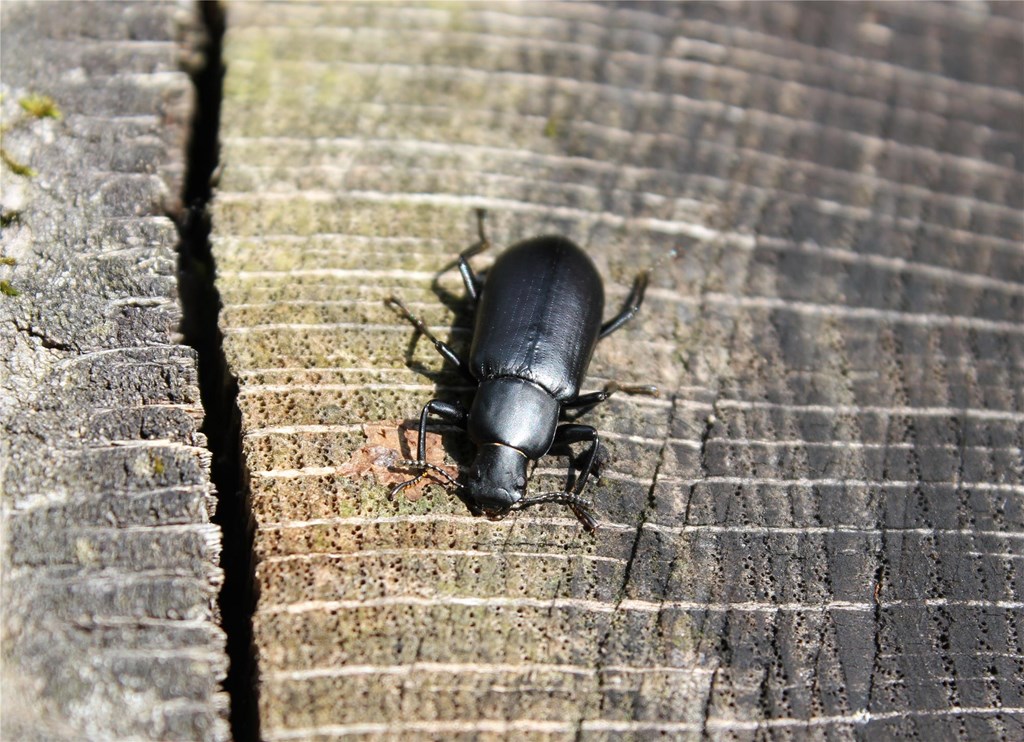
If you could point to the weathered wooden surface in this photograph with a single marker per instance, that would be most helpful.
(815, 532)
(109, 567)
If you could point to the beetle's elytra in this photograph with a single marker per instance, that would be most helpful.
(538, 319)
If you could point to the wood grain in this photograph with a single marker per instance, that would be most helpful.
(815, 532)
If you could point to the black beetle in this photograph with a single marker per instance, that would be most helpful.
(538, 320)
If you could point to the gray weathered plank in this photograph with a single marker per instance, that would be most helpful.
(109, 566)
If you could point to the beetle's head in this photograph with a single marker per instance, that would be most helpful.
(497, 480)
(497, 486)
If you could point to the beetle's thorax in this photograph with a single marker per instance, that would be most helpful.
(515, 413)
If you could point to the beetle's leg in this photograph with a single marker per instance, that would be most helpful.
(629, 308)
(567, 433)
(449, 412)
(443, 348)
(592, 398)
(586, 401)
(469, 277)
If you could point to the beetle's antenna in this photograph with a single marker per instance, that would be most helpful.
(580, 507)
(410, 464)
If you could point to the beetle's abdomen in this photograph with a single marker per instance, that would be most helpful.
(539, 316)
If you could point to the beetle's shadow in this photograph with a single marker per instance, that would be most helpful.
(457, 303)
(436, 377)
(463, 316)
(454, 441)
(575, 460)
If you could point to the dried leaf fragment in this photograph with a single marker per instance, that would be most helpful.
(387, 443)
